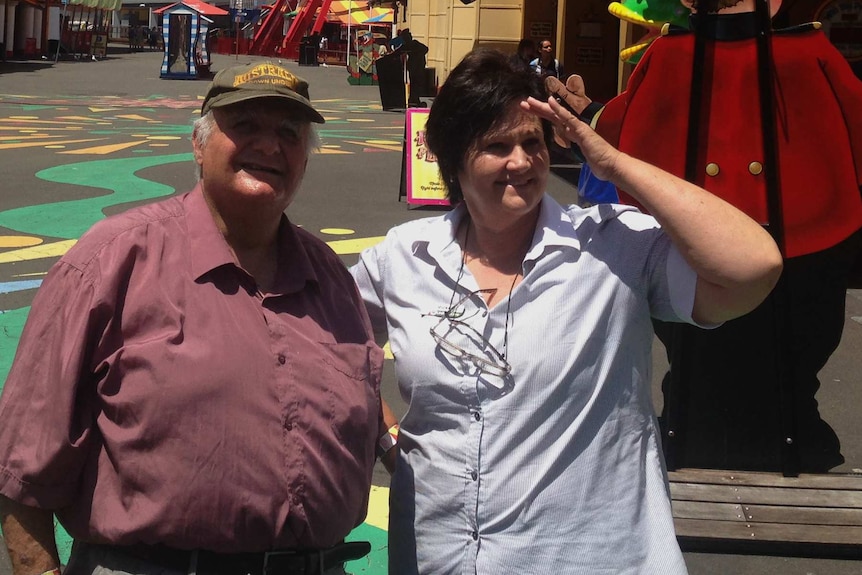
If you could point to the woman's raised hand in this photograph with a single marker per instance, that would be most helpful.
(600, 155)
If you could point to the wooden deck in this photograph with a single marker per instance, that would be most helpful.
(766, 512)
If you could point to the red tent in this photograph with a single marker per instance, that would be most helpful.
(198, 6)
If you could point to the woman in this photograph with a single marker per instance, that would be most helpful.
(521, 332)
(525, 53)
(545, 64)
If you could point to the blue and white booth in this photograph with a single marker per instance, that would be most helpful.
(184, 30)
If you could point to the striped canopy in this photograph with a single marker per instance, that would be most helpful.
(358, 13)
(198, 6)
(100, 4)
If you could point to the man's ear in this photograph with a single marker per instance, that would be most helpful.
(196, 148)
(688, 4)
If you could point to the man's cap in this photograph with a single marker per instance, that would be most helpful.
(259, 80)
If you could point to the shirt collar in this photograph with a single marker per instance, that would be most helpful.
(726, 27)
(555, 227)
(295, 266)
(443, 245)
(207, 245)
(209, 250)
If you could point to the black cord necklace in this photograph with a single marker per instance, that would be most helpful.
(458, 284)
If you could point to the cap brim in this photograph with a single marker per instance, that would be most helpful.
(294, 100)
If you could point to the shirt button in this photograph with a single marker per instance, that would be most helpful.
(477, 416)
(475, 535)
(288, 426)
(712, 169)
(281, 359)
(755, 168)
(474, 475)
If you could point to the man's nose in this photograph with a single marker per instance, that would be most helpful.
(267, 140)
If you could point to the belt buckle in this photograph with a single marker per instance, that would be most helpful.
(302, 566)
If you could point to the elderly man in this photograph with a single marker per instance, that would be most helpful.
(197, 388)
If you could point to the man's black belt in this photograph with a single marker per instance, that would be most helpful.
(278, 562)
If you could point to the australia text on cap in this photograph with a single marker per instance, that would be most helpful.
(261, 80)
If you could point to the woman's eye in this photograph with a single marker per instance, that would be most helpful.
(532, 144)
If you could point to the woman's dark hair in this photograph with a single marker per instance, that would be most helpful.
(526, 44)
(474, 98)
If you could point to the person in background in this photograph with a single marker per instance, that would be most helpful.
(525, 53)
(323, 49)
(133, 38)
(522, 340)
(546, 64)
(196, 389)
(416, 60)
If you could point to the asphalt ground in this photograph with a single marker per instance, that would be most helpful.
(79, 139)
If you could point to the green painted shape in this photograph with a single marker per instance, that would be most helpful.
(34, 107)
(64, 542)
(156, 129)
(70, 219)
(376, 562)
(11, 326)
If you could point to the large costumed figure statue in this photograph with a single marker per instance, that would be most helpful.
(771, 121)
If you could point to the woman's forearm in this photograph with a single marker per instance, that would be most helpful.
(736, 260)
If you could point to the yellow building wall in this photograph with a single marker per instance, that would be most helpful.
(451, 28)
(591, 46)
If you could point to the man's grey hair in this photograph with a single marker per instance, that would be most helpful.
(203, 127)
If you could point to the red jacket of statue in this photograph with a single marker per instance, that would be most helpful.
(819, 127)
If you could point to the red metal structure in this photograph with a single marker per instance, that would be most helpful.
(270, 40)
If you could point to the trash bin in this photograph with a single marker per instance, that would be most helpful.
(308, 56)
(390, 80)
(29, 47)
(308, 51)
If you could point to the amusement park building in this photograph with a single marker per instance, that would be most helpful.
(586, 37)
